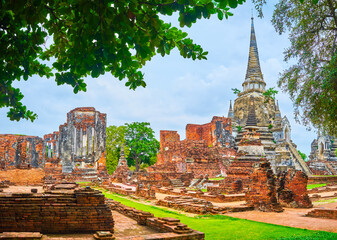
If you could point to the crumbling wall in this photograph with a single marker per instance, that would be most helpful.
(292, 189)
(194, 156)
(262, 189)
(19, 151)
(217, 132)
(167, 136)
(238, 172)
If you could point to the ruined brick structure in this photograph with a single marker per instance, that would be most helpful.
(77, 148)
(18, 151)
(217, 132)
(292, 189)
(206, 149)
(62, 211)
(262, 189)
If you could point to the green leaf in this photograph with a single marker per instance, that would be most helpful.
(233, 3)
(220, 15)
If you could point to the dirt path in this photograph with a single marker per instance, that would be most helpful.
(22, 189)
(125, 226)
(293, 218)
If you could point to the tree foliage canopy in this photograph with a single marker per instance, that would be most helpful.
(141, 142)
(312, 80)
(92, 38)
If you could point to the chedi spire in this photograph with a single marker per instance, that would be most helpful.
(254, 78)
(253, 68)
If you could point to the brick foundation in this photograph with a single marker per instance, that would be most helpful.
(197, 205)
(323, 213)
(170, 228)
(59, 211)
(321, 179)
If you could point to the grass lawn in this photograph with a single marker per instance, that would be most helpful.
(324, 175)
(331, 200)
(219, 178)
(311, 186)
(83, 184)
(219, 227)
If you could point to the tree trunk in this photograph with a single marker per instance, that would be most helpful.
(137, 164)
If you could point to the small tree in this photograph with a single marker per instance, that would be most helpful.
(303, 155)
(141, 142)
(114, 141)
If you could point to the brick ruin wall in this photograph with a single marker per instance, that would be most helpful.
(80, 211)
(262, 189)
(217, 132)
(78, 147)
(206, 149)
(17, 151)
(292, 189)
(238, 177)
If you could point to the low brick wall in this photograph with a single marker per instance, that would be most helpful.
(119, 190)
(220, 198)
(318, 180)
(323, 189)
(61, 211)
(323, 213)
(169, 228)
(197, 206)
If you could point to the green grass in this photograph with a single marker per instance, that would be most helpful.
(195, 189)
(83, 184)
(330, 200)
(219, 227)
(216, 179)
(311, 186)
(324, 175)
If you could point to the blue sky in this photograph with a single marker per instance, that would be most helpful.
(179, 91)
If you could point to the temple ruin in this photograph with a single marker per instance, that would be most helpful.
(78, 147)
(322, 158)
(206, 150)
(274, 130)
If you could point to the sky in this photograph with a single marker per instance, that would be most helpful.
(179, 91)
